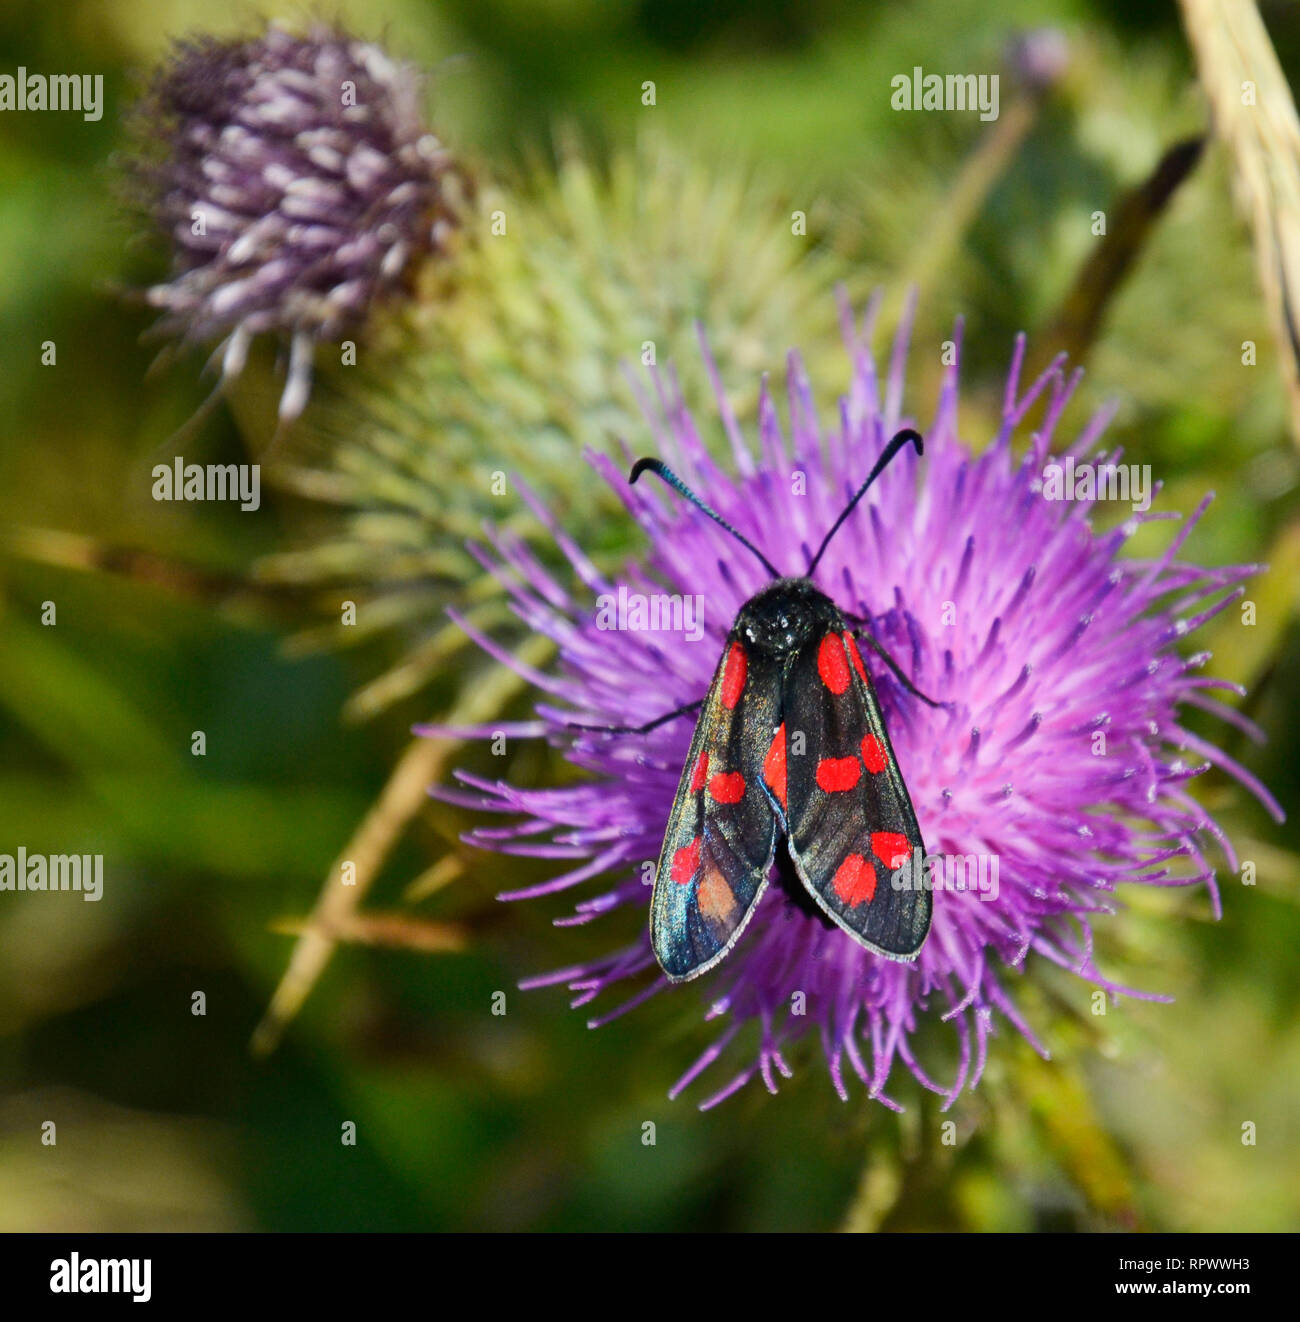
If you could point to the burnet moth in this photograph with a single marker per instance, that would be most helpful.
(790, 745)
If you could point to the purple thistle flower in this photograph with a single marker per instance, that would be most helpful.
(1039, 57)
(297, 183)
(1003, 604)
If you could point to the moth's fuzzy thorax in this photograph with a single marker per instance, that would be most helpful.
(786, 614)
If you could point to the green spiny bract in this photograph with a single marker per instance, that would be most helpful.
(521, 355)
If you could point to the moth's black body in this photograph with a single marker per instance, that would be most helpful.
(790, 747)
(694, 923)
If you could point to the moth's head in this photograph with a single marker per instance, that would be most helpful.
(785, 615)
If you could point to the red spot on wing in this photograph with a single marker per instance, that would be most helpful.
(733, 676)
(856, 657)
(685, 862)
(836, 774)
(727, 787)
(832, 664)
(774, 765)
(701, 771)
(716, 899)
(855, 880)
(890, 848)
(873, 754)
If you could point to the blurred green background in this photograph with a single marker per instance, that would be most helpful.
(528, 1120)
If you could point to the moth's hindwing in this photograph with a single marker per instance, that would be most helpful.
(850, 822)
(721, 835)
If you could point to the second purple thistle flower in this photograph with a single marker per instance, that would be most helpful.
(298, 185)
(1060, 754)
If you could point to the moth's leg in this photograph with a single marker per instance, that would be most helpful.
(865, 634)
(638, 729)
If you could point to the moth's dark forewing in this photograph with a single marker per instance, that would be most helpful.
(721, 835)
(848, 839)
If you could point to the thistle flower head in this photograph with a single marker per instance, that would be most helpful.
(1060, 751)
(297, 184)
(1039, 57)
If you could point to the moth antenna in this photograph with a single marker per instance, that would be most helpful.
(900, 439)
(666, 474)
